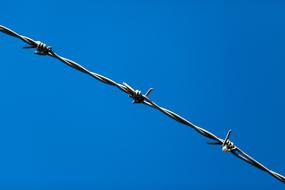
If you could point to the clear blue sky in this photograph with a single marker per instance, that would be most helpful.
(220, 65)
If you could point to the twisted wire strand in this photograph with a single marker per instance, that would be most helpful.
(138, 97)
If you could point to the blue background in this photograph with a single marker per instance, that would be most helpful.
(220, 65)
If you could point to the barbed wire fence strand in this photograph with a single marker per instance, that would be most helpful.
(138, 97)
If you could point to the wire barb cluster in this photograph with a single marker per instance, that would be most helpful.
(136, 95)
(226, 145)
(42, 49)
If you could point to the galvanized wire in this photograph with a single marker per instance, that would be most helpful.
(138, 97)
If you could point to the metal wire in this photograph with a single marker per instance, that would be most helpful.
(138, 97)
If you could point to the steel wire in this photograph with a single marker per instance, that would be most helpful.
(138, 97)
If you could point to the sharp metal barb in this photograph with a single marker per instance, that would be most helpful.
(227, 137)
(42, 49)
(214, 143)
(149, 91)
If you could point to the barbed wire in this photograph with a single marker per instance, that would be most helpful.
(226, 145)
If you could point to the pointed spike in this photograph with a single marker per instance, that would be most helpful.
(214, 143)
(149, 91)
(227, 137)
(28, 47)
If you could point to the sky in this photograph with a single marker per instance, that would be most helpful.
(219, 64)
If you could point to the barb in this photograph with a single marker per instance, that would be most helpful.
(226, 145)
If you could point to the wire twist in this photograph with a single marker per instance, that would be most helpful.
(138, 97)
